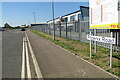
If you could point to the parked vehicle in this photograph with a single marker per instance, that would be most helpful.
(23, 29)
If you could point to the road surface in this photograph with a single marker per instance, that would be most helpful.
(11, 53)
(56, 62)
(40, 58)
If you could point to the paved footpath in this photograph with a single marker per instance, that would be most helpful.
(55, 62)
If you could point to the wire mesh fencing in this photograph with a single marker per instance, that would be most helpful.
(79, 30)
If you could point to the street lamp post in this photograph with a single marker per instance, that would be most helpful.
(34, 17)
(53, 20)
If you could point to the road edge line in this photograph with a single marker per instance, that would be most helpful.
(37, 69)
(27, 61)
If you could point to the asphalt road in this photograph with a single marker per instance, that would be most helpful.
(55, 62)
(11, 53)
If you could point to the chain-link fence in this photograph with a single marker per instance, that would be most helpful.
(79, 31)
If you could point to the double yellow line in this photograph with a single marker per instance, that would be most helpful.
(25, 57)
(25, 61)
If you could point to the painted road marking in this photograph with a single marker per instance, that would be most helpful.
(37, 69)
(23, 61)
(27, 62)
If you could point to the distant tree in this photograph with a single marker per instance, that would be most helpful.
(23, 25)
(17, 27)
(6, 25)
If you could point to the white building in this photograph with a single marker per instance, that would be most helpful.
(72, 20)
(69, 18)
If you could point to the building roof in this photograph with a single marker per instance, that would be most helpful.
(39, 23)
(71, 13)
(81, 7)
(65, 15)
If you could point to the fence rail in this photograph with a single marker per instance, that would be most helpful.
(79, 31)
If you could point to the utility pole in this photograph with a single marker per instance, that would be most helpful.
(34, 17)
(53, 20)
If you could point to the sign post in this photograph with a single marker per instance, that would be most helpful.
(109, 40)
(111, 51)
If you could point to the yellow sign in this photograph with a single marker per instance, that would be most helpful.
(106, 26)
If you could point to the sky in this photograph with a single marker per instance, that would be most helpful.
(19, 13)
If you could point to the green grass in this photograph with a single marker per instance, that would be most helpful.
(116, 64)
(95, 56)
(116, 73)
(100, 58)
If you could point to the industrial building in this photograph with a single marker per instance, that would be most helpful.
(72, 19)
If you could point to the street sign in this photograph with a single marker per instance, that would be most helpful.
(101, 39)
(109, 40)
(104, 14)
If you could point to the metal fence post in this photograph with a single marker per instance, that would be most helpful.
(111, 47)
(95, 41)
(80, 30)
(49, 28)
(116, 36)
(90, 47)
(60, 28)
(66, 28)
(119, 41)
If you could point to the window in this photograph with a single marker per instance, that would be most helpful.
(72, 18)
